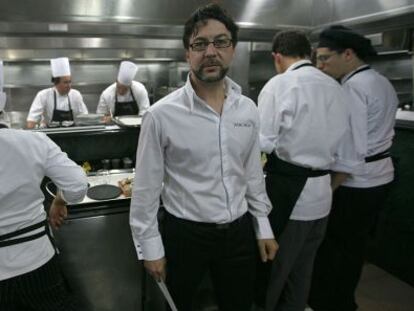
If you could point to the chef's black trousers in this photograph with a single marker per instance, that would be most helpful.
(228, 252)
(340, 258)
(43, 289)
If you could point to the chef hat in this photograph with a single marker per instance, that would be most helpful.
(60, 67)
(127, 72)
(338, 37)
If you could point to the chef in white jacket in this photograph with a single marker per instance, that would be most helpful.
(58, 105)
(30, 277)
(125, 96)
(344, 55)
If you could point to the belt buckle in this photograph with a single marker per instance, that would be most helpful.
(223, 226)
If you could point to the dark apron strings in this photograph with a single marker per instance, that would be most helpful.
(61, 115)
(125, 108)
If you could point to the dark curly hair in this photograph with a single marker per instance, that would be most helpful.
(292, 43)
(200, 17)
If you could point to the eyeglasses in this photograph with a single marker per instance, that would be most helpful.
(202, 45)
(323, 58)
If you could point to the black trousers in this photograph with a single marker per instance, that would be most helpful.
(227, 253)
(340, 258)
(43, 289)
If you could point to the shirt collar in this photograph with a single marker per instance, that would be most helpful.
(297, 64)
(344, 78)
(232, 91)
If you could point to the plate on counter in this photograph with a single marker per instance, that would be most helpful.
(128, 121)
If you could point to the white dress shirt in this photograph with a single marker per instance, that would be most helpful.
(25, 158)
(206, 166)
(304, 119)
(43, 104)
(373, 107)
(107, 99)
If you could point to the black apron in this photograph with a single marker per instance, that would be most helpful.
(383, 154)
(61, 115)
(284, 184)
(13, 238)
(125, 108)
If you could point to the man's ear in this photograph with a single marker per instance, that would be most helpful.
(276, 57)
(349, 53)
(187, 55)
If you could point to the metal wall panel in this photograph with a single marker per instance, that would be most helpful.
(256, 13)
(357, 11)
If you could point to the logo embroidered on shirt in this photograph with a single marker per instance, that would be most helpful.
(242, 124)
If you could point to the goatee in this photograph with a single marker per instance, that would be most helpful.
(210, 79)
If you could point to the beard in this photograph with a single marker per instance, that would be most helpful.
(199, 73)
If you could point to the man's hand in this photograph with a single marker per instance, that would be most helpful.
(156, 268)
(267, 249)
(58, 212)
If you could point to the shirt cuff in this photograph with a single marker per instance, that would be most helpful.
(262, 228)
(151, 249)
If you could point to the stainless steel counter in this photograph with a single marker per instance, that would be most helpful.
(405, 119)
(98, 254)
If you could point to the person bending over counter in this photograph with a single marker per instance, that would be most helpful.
(58, 105)
(305, 129)
(343, 54)
(125, 96)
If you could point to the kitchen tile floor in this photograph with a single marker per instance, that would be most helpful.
(380, 291)
(377, 291)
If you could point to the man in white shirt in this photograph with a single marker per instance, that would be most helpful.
(58, 105)
(342, 54)
(30, 277)
(125, 96)
(304, 121)
(199, 149)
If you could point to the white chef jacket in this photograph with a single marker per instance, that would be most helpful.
(107, 99)
(43, 104)
(26, 157)
(373, 107)
(304, 119)
(206, 166)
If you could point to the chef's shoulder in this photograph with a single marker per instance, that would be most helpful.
(75, 94)
(34, 140)
(279, 83)
(174, 101)
(109, 90)
(45, 93)
(138, 86)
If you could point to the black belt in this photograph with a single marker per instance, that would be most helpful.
(4, 239)
(208, 224)
(278, 166)
(379, 156)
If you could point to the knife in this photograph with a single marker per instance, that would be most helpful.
(167, 295)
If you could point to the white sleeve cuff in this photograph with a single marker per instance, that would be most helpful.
(262, 228)
(151, 249)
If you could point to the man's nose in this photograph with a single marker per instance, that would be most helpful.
(211, 49)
